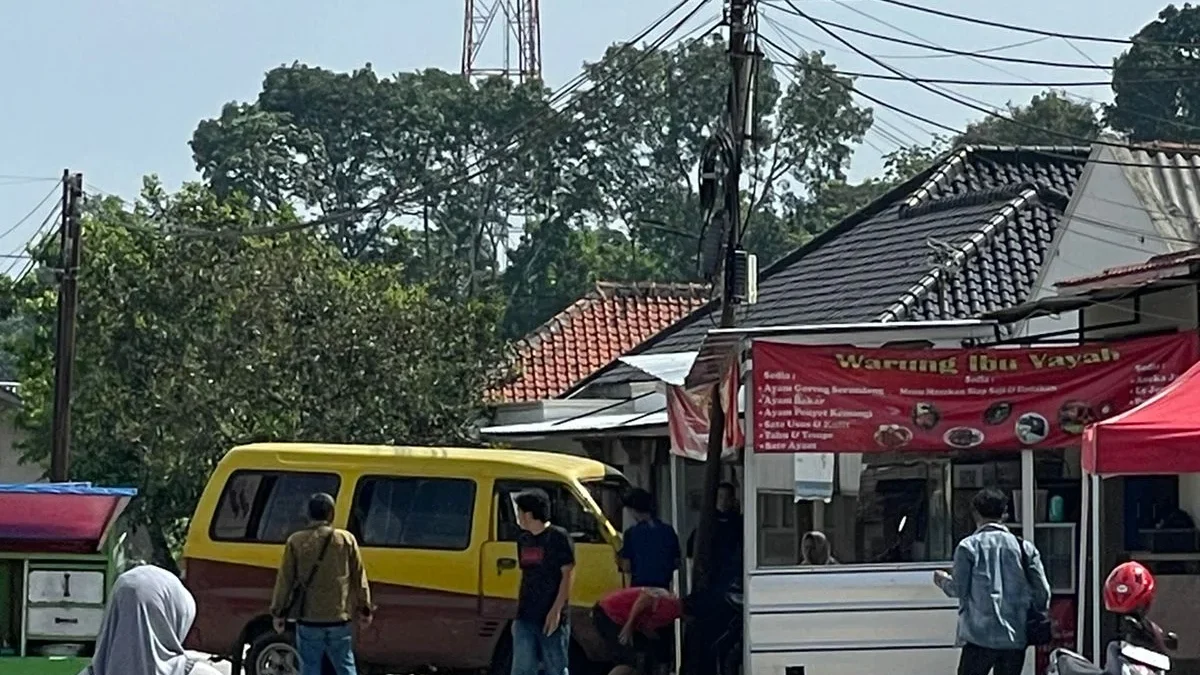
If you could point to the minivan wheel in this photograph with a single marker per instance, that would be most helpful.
(273, 654)
(502, 657)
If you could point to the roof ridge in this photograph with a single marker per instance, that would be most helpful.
(960, 254)
(652, 288)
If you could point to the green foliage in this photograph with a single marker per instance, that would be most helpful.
(1050, 118)
(1156, 87)
(189, 345)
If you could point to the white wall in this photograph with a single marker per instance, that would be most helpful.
(1107, 227)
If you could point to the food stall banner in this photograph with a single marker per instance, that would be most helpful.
(687, 417)
(850, 399)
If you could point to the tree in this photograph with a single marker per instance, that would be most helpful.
(1156, 82)
(648, 135)
(1050, 118)
(191, 344)
(392, 152)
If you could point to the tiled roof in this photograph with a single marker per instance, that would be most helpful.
(1158, 262)
(602, 325)
(968, 236)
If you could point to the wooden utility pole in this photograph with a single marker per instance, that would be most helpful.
(64, 350)
(742, 23)
(742, 20)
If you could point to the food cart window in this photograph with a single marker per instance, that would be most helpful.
(907, 508)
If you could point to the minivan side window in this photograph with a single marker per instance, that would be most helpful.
(565, 511)
(266, 507)
(403, 512)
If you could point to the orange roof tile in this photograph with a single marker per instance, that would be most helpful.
(596, 329)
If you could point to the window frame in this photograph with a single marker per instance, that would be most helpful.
(259, 505)
(352, 518)
(502, 492)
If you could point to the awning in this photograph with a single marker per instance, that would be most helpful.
(58, 517)
(671, 367)
(1160, 436)
(1082, 298)
(580, 425)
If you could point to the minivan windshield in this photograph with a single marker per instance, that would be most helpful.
(608, 493)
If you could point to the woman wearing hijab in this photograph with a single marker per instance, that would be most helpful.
(148, 616)
(814, 549)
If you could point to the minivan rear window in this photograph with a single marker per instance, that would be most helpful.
(267, 506)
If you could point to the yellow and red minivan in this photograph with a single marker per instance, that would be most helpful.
(438, 535)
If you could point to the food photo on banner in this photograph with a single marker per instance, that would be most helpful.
(850, 399)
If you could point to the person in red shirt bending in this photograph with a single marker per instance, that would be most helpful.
(633, 622)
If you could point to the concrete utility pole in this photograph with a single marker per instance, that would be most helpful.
(64, 350)
(741, 16)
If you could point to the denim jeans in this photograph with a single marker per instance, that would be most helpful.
(336, 642)
(532, 647)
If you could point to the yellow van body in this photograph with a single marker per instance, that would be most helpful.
(437, 532)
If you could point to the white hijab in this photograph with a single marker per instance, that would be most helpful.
(148, 617)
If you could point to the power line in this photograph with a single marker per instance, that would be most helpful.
(968, 104)
(1036, 31)
(987, 64)
(27, 216)
(981, 54)
(845, 83)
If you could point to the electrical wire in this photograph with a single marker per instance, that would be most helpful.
(1036, 31)
(981, 54)
(40, 236)
(968, 104)
(13, 228)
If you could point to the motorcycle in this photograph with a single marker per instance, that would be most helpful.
(1141, 650)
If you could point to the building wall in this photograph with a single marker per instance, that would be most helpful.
(11, 468)
(1106, 227)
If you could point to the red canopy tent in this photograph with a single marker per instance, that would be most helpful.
(1159, 436)
(1162, 435)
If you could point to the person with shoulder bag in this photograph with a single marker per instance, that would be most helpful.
(322, 585)
(1002, 591)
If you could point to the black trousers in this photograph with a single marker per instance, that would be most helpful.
(976, 660)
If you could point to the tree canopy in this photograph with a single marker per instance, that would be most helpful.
(190, 344)
(1156, 82)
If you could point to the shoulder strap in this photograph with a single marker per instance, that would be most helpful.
(312, 573)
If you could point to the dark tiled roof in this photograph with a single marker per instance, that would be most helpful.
(594, 330)
(968, 236)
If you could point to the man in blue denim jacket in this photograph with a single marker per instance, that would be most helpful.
(994, 591)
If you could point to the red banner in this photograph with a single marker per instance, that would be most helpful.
(849, 399)
(687, 417)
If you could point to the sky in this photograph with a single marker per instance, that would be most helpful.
(115, 89)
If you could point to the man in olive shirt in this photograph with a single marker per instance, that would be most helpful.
(322, 584)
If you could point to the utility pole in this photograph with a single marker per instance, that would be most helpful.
(64, 350)
(741, 16)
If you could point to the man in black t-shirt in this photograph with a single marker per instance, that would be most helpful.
(542, 632)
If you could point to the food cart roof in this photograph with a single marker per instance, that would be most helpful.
(1160, 436)
(58, 517)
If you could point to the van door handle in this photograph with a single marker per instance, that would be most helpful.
(506, 564)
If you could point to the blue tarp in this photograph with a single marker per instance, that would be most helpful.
(80, 489)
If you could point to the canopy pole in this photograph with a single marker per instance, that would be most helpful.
(1081, 584)
(1028, 518)
(673, 462)
(749, 506)
(1096, 579)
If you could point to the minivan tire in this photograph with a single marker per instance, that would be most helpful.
(273, 653)
(502, 657)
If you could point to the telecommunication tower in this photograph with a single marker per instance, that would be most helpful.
(515, 53)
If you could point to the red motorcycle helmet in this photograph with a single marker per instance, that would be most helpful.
(1129, 589)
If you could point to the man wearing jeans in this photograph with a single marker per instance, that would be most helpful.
(322, 584)
(542, 632)
(994, 589)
